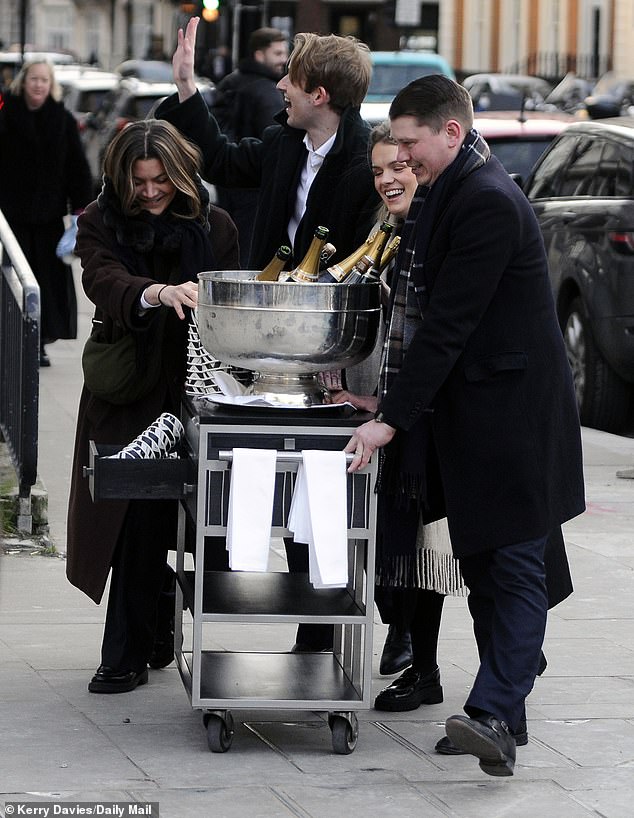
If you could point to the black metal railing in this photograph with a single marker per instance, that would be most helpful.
(19, 366)
(555, 65)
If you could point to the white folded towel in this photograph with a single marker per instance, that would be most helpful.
(250, 509)
(318, 516)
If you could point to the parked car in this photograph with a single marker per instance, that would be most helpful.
(84, 89)
(393, 70)
(611, 96)
(150, 70)
(129, 100)
(10, 61)
(507, 92)
(582, 191)
(519, 141)
(569, 93)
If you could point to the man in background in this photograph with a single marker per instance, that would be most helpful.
(246, 102)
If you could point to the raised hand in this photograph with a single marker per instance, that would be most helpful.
(183, 60)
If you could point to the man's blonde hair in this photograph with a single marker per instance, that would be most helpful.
(341, 65)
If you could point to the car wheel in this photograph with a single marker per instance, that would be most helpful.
(603, 396)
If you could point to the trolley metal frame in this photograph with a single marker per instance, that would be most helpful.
(216, 681)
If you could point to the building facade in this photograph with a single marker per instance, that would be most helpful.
(545, 37)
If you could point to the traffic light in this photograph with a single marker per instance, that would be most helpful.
(211, 10)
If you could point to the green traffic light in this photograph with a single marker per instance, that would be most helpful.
(212, 5)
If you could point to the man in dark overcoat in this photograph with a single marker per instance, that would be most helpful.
(311, 169)
(476, 376)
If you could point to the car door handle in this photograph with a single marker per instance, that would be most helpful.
(568, 216)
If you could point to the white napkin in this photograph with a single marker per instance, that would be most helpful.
(250, 509)
(318, 516)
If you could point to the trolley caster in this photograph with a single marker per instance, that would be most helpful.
(219, 726)
(345, 732)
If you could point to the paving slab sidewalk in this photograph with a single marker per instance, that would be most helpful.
(59, 743)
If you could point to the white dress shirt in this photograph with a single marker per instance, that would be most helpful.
(314, 161)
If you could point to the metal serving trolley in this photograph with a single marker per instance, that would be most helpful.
(217, 681)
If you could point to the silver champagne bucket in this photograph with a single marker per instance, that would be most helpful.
(286, 333)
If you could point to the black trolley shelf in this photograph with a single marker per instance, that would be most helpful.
(338, 681)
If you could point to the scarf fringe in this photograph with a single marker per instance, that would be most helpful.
(427, 570)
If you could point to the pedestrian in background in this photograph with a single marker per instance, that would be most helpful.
(44, 176)
(247, 101)
(141, 245)
(477, 418)
(311, 169)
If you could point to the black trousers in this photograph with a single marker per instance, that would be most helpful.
(508, 604)
(139, 597)
(315, 636)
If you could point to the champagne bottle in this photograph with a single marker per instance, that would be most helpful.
(275, 265)
(327, 252)
(371, 258)
(337, 272)
(391, 249)
(307, 271)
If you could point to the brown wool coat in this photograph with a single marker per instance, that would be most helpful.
(93, 528)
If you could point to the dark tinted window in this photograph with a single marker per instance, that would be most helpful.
(143, 105)
(90, 100)
(624, 160)
(578, 174)
(519, 155)
(547, 179)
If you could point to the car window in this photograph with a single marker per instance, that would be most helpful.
(143, 105)
(578, 175)
(548, 175)
(388, 80)
(622, 157)
(90, 100)
(519, 156)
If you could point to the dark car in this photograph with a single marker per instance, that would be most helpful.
(129, 100)
(582, 191)
(611, 96)
(503, 92)
(519, 141)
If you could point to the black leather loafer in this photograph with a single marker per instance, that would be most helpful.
(107, 680)
(410, 690)
(397, 651)
(446, 747)
(487, 738)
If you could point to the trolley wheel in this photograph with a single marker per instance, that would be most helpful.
(345, 732)
(219, 731)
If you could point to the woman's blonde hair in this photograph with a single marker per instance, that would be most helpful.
(154, 139)
(17, 84)
(341, 65)
(381, 135)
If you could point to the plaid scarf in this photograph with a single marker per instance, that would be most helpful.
(405, 462)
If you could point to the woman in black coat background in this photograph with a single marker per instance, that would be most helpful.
(44, 176)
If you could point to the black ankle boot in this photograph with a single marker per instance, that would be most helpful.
(397, 651)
